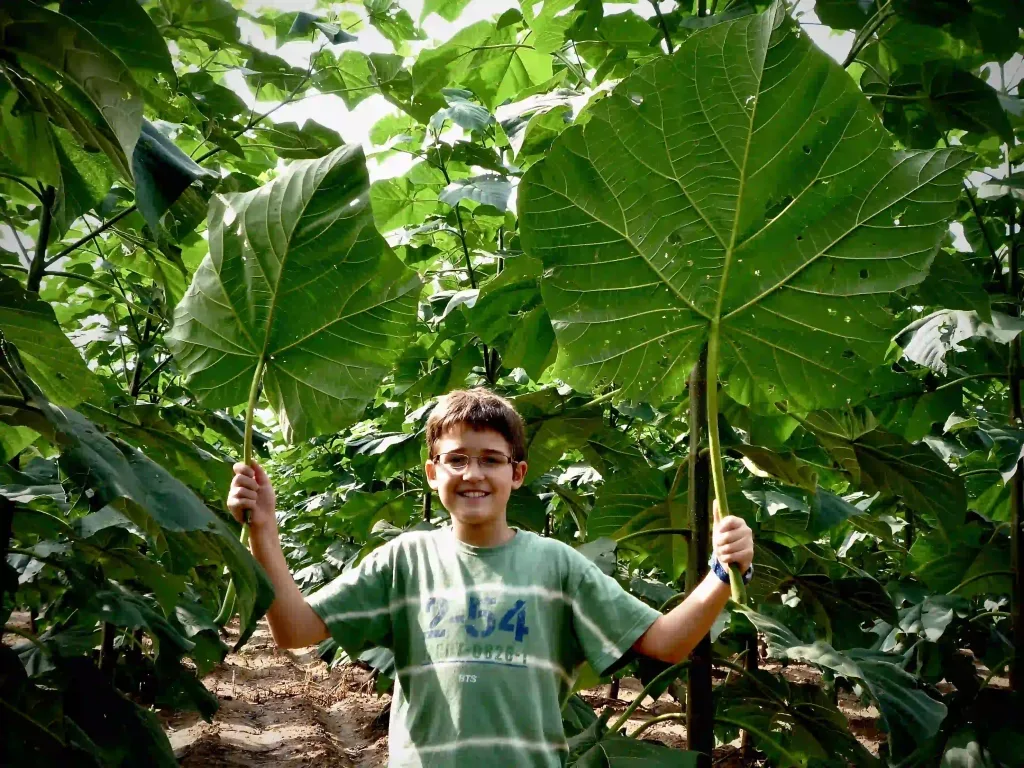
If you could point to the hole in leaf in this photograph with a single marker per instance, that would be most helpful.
(863, 274)
(807, 149)
(799, 237)
(675, 239)
(848, 354)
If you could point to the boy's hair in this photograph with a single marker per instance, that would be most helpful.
(477, 408)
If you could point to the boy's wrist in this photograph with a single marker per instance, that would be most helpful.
(265, 536)
(722, 571)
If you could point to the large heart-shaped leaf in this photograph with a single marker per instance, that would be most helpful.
(740, 193)
(297, 280)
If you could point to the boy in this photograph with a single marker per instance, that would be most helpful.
(487, 622)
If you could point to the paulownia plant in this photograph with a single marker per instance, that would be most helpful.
(740, 195)
(300, 295)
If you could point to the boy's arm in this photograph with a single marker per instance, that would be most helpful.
(673, 637)
(293, 623)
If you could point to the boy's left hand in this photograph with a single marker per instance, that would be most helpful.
(732, 539)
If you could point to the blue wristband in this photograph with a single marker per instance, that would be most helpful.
(722, 572)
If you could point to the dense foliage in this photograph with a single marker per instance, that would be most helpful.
(693, 249)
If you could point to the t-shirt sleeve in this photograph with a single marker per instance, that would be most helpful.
(356, 606)
(607, 619)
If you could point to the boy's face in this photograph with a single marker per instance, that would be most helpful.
(478, 494)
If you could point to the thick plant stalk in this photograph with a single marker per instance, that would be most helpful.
(38, 265)
(1016, 488)
(227, 609)
(739, 593)
(700, 721)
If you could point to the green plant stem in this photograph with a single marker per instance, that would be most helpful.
(863, 37)
(41, 558)
(160, 366)
(136, 384)
(715, 444)
(574, 68)
(93, 234)
(979, 471)
(990, 614)
(996, 264)
(672, 671)
(670, 603)
(33, 723)
(667, 717)
(664, 27)
(996, 670)
(92, 281)
(684, 532)
(10, 629)
(600, 399)
(978, 577)
(763, 736)
(227, 608)
(23, 183)
(39, 263)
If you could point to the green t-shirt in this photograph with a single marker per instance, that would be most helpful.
(486, 641)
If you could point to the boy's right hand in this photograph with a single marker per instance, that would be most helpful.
(251, 490)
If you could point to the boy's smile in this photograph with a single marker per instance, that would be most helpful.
(475, 494)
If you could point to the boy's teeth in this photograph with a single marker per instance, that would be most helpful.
(473, 494)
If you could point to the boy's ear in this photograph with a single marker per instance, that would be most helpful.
(519, 475)
(431, 471)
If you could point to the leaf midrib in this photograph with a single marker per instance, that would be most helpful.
(729, 251)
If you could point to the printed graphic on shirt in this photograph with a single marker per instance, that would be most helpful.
(475, 629)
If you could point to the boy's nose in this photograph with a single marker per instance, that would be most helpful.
(473, 470)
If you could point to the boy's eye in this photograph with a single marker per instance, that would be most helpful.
(456, 460)
(491, 461)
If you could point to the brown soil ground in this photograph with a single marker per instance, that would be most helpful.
(285, 709)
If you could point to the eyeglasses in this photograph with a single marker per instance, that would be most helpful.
(459, 462)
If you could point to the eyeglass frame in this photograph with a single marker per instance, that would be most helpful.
(509, 460)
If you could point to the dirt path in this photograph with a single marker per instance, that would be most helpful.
(285, 709)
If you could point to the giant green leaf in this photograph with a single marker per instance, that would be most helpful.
(741, 193)
(70, 52)
(299, 282)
